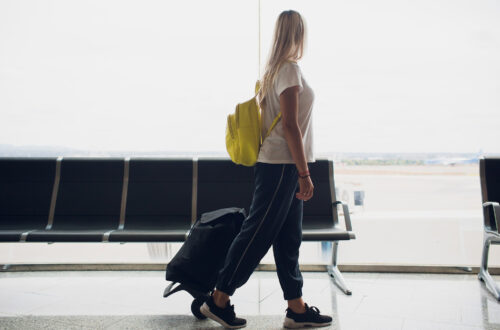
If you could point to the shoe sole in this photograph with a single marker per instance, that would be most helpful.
(205, 310)
(291, 324)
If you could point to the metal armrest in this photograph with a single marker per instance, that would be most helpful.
(496, 211)
(347, 217)
(491, 236)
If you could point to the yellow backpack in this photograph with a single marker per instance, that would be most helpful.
(243, 131)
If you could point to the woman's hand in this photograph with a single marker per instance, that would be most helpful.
(306, 189)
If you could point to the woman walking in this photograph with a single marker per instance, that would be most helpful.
(275, 216)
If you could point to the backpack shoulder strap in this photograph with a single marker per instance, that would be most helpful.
(275, 121)
(278, 117)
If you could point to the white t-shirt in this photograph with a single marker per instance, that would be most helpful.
(275, 149)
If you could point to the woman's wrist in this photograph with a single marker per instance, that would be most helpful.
(304, 174)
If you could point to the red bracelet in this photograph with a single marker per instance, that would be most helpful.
(304, 174)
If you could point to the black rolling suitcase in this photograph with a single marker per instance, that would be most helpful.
(196, 265)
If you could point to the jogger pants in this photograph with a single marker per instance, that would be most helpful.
(275, 218)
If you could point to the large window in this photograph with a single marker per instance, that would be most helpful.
(406, 100)
(124, 75)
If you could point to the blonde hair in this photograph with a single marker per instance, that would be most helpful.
(288, 45)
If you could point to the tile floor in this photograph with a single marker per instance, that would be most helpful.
(133, 300)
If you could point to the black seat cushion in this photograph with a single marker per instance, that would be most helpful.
(158, 201)
(159, 194)
(221, 184)
(316, 222)
(490, 179)
(25, 193)
(23, 222)
(89, 196)
(489, 168)
(318, 210)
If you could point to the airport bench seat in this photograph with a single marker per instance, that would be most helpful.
(78, 199)
(87, 202)
(26, 189)
(489, 168)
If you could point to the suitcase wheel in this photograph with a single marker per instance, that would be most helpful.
(195, 308)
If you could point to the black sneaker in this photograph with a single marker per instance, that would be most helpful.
(311, 318)
(225, 316)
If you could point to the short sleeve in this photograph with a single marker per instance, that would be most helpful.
(288, 76)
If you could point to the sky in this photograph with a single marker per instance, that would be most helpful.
(388, 76)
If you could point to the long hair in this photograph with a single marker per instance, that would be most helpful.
(288, 45)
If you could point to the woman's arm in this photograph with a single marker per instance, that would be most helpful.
(289, 107)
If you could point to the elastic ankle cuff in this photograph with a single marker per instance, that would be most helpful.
(227, 291)
(291, 296)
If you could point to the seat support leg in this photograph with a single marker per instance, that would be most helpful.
(484, 274)
(334, 271)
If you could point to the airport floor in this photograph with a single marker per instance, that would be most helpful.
(134, 300)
